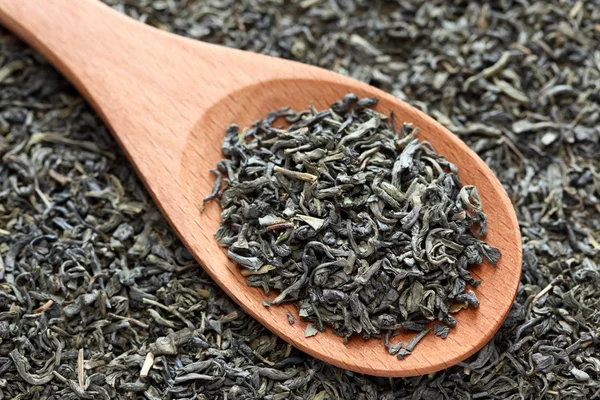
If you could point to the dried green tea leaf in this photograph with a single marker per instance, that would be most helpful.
(315, 223)
(310, 331)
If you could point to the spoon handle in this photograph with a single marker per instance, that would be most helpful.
(149, 86)
(128, 70)
(106, 54)
(75, 36)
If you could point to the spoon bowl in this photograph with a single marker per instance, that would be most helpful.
(168, 101)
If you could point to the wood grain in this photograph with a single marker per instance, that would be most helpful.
(168, 100)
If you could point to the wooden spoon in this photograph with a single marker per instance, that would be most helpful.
(168, 100)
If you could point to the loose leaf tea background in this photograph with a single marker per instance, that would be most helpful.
(86, 261)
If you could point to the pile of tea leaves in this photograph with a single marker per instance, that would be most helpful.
(364, 227)
(89, 267)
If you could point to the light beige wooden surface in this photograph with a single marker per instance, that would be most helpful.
(168, 100)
